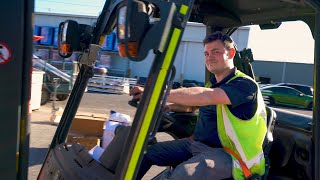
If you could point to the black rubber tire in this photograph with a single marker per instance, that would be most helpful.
(271, 101)
(310, 106)
(45, 96)
(62, 97)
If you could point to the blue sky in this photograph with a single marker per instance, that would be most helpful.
(294, 41)
(291, 42)
(80, 7)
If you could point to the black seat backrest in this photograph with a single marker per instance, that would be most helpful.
(271, 118)
(242, 60)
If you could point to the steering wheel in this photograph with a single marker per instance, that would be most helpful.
(167, 119)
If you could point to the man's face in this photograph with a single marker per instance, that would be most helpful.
(216, 57)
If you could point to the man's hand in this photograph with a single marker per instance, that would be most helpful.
(136, 92)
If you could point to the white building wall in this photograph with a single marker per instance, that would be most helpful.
(240, 37)
(194, 67)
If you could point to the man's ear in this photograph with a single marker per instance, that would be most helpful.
(232, 53)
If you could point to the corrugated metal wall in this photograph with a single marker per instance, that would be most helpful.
(284, 72)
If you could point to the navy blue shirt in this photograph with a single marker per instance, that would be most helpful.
(242, 93)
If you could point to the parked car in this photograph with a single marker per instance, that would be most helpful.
(308, 90)
(284, 95)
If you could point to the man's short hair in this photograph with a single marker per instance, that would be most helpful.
(227, 40)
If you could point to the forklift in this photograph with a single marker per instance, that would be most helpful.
(142, 27)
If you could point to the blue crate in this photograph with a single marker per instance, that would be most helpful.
(47, 33)
(115, 47)
(108, 42)
(36, 31)
(55, 36)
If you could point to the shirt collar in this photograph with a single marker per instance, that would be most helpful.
(224, 80)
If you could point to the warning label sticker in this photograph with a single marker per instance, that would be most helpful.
(5, 53)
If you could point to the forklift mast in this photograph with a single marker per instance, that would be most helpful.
(15, 78)
(163, 37)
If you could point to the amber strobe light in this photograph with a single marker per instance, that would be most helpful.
(64, 48)
(132, 49)
(133, 46)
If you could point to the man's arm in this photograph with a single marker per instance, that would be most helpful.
(198, 96)
(193, 96)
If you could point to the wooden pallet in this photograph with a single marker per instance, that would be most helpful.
(110, 84)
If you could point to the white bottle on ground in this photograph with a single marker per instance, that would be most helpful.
(108, 132)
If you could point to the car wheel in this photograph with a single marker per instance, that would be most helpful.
(271, 101)
(45, 96)
(310, 106)
(62, 97)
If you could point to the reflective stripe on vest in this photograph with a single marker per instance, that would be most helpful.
(245, 170)
(232, 135)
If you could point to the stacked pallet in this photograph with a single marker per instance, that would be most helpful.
(87, 129)
(110, 84)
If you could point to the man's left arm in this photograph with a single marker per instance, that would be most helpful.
(198, 96)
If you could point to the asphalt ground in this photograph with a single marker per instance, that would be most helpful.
(42, 130)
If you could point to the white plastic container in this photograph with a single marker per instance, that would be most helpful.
(36, 87)
(115, 119)
(108, 133)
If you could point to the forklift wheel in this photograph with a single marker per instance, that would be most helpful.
(45, 96)
(62, 97)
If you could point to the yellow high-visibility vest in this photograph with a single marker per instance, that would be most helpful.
(243, 137)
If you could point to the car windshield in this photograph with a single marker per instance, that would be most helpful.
(305, 89)
(309, 91)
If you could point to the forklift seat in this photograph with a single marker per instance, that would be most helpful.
(268, 140)
(271, 118)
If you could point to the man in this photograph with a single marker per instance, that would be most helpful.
(231, 124)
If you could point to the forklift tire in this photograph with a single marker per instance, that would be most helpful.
(62, 97)
(45, 96)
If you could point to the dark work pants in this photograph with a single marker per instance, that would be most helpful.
(191, 159)
(194, 160)
(170, 153)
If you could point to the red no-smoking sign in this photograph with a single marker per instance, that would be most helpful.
(5, 53)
